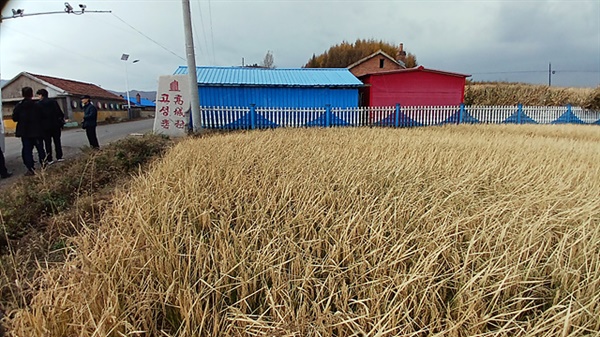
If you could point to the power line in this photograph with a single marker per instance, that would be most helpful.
(212, 36)
(535, 71)
(149, 38)
(195, 36)
(62, 48)
(202, 26)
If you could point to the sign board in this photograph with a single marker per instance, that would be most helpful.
(173, 103)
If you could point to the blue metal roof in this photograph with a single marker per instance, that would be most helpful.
(144, 102)
(292, 77)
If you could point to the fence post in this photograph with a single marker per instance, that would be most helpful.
(327, 115)
(519, 113)
(461, 113)
(569, 113)
(397, 117)
(253, 116)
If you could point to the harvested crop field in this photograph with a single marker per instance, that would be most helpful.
(529, 94)
(462, 230)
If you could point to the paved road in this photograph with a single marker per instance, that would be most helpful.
(72, 142)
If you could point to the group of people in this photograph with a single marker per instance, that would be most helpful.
(39, 124)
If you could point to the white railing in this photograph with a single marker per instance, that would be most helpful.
(290, 117)
(392, 116)
(222, 117)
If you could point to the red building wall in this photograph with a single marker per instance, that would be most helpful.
(413, 87)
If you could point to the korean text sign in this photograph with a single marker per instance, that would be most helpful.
(172, 105)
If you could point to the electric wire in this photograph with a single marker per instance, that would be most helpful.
(62, 48)
(197, 46)
(212, 36)
(202, 27)
(535, 71)
(149, 38)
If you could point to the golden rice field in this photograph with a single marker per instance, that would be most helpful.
(462, 230)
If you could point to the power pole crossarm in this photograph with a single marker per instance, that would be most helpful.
(55, 12)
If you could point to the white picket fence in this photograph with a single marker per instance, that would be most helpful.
(391, 116)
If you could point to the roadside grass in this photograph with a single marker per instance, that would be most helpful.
(26, 203)
(461, 230)
(39, 215)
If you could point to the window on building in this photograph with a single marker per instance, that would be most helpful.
(381, 63)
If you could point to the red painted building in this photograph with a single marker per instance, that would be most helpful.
(413, 87)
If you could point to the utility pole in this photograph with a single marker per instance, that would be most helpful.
(19, 13)
(550, 73)
(191, 64)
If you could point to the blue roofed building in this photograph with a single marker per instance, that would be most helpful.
(138, 101)
(275, 88)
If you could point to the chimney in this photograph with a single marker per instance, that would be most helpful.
(138, 98)
(401, 55)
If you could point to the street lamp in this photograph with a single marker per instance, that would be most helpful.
(125, 57)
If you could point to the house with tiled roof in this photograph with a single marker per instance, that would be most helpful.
(377, 62)
(66, 92)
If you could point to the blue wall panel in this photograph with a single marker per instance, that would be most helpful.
(278, 97)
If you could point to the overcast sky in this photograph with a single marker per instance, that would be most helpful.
(498, 40)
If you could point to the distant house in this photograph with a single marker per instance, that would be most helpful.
(290, 88)
(379, 61)
(417, 86)
(140, 106)
(66, 92)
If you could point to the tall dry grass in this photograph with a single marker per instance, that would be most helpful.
(487, 230)
(529, 94)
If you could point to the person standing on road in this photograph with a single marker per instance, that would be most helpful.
(3, 170)
(90, 121)
(29, 118)
(54, 120)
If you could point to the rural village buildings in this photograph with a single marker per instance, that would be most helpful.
(388, 82)
(140, 106)
(275, 88)
(66, 92)
(417, 86)
(376, 80)
(377, 62)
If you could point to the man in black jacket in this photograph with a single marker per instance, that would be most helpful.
(3, 170)
(90, 120)
(54, 120)
(29, 118)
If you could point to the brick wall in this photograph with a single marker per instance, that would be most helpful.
(372, 65)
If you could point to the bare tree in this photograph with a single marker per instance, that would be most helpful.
(269, 61)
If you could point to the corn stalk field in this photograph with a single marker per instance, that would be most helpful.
(459, 230)
(533, 95)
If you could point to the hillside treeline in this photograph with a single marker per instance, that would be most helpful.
(527, 94)
(344, 54)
